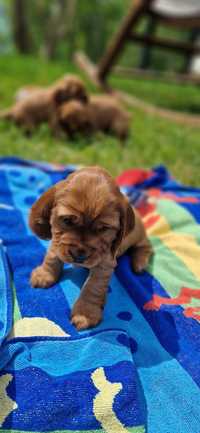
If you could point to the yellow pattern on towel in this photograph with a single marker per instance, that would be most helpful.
(103, 403)
(186, 248)
(7, 405)
(36, 326)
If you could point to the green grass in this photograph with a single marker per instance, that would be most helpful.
(152, 140)
(183, 97)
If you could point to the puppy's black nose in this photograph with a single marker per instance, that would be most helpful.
(78, 256)
(81, 258)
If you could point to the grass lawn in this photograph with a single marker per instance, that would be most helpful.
(152, 140)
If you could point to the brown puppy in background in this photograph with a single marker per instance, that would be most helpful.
(102, 113)
(91, 223)
(37, 104)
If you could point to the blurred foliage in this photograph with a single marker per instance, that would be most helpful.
(72, 24)
(58, 28)
(6, 44)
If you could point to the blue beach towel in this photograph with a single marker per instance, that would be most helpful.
(139, 370)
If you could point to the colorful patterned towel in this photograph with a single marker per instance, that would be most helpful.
(139, 370)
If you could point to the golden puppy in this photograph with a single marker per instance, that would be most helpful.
(91, 223)
(102, 113)
(37, 104)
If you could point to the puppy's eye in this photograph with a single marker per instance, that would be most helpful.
(102, 229)
(67, 221)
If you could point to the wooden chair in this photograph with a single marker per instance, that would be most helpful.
(181, 14)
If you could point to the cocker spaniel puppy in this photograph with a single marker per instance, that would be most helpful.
(91, 223)
(102, 113)
(35, 105)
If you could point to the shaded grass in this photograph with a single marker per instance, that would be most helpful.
(183, 97)
(152, 140)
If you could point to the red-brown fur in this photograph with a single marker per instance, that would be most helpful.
(35, 105)
(102, 113)
(87, 216)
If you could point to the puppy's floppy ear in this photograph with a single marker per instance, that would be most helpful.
(82, 95)
(39, 218)
(59, 96)
(127, 222)
(74, 91)
(77, 90)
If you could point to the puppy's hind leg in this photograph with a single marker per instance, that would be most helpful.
(54, 126)
(140, 256)
(27, 124)
(120, 129)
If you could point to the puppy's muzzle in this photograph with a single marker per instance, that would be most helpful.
(79, 256)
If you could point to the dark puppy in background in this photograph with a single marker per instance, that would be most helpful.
(90, 223)
(101, 113)
(35, 105)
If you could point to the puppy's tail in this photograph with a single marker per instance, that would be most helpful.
(6, 115)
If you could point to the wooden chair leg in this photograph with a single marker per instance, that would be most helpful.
(114, 49)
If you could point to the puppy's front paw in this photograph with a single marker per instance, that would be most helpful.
(42, 278)
(85, 315)
(139, 262)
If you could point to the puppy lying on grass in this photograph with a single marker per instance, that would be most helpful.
(91, 223)
(101, 113)
(35, 105)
